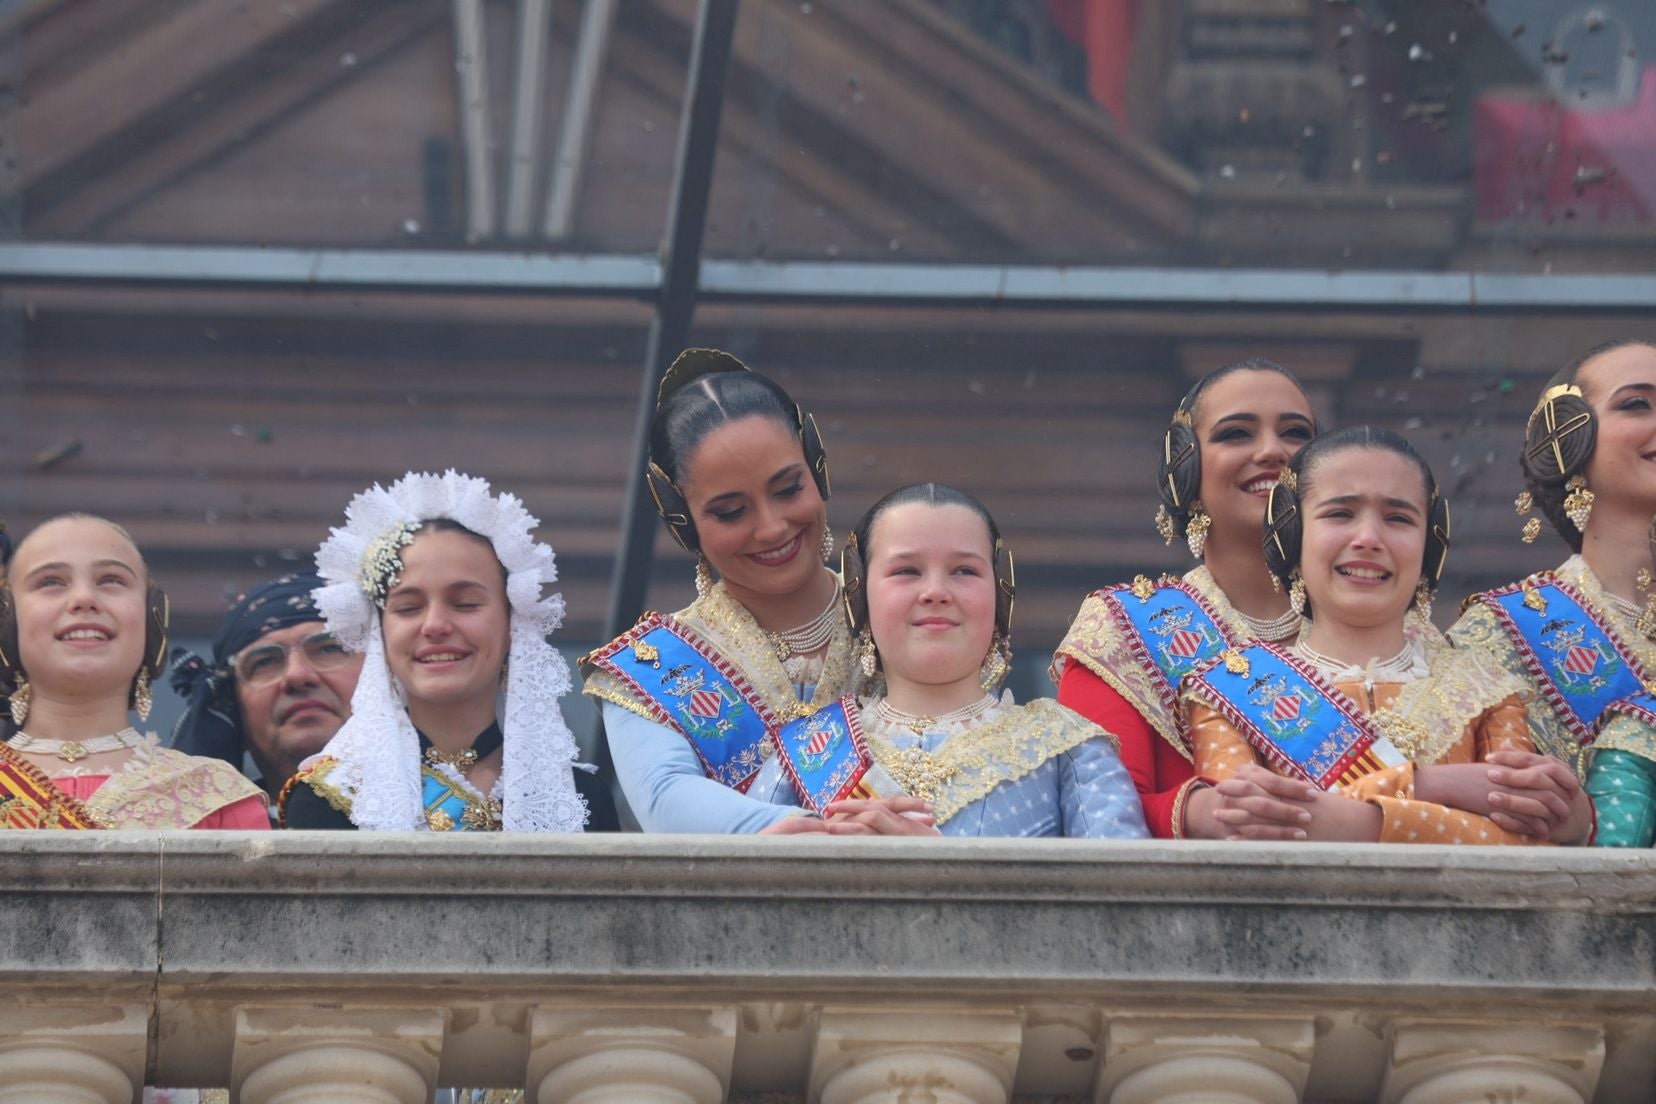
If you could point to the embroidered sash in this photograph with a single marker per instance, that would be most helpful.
(1300, 725)
(1641, 707)
(677, 676)
(825, 755)
(29, 800)
(449, 808)
(1170, 627)
(1575, 657)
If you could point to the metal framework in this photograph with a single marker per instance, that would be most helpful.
(643, 278)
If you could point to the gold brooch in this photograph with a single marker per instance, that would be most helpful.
(1534, 599)
(645, 652)
(1142, 588)
(439, 821)
(1236, 663)
(482, 817)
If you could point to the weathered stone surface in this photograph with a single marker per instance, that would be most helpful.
(1068, 936)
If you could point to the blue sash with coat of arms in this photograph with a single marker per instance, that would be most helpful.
(1576, 658)
(450, 809)
(1169, 626)
(675, 674)
(825, 754)
(1300, 725)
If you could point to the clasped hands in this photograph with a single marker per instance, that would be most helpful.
(1522, 792)
(873, 816)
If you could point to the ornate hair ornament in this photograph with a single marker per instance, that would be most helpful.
(1557, 431)
(382, 564)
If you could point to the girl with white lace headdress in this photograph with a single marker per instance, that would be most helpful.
(455, 724)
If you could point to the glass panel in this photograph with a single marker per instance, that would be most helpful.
(228, 430)
(337, 123)
(1508, 135)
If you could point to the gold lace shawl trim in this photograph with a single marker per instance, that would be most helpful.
(172, 790)
(1630, 734)
(1480, 631)
(1431, 715)
(316, 777)
(730, 630)
(1097, 642)
(1003, 749)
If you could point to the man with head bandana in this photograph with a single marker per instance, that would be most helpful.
(278, 687)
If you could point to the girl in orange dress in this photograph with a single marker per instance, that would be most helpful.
(1361, 731)
(83, 631)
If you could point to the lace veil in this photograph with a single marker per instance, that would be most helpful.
(377, 748)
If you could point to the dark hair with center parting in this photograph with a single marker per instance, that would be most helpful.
(932, 494)
(688, 415)
(1544, 476)
(1284, 534)
(449, 525)
(1179, 478)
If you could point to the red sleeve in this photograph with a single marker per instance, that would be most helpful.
(1142, 747)
(249, 814)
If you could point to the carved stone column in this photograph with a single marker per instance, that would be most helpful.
(343, 1056)
(72, 1055)
(1434, 1063)
(1206, 1061)
(631, 1055)
(886, 1057)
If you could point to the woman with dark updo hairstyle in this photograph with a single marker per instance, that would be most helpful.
(692, 701)
(1120, 664)
(1582, 635)
(1360, 731)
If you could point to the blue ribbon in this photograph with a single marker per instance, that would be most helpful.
(1577, 658)
(824, 755)
(1301, 729)
(1175, 631)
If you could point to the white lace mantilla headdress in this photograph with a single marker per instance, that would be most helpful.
(377, 748)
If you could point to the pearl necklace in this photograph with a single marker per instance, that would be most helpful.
(920, 723)
(1406, 666)
(1276, 629)
(810, 637)
(73, 751)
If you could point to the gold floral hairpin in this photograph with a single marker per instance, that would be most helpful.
(382, 565)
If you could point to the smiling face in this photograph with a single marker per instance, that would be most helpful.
(931, 592)
(1621, 385)
(1364, 536)
(80, 590)
(447, 622)
(756, 508)
(290, 707)
(1250, 424)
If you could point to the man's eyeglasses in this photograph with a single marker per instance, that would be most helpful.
(265, 664)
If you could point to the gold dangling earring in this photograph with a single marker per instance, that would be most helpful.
(1196, 529)
(996, 664)
(1296, 591)
(868, 659)
(1578, 503)
(1165, 526)
(142, 702)
(1423, 598)
(704, 576)
(1524, 503)
(20, 700)
(827, 543)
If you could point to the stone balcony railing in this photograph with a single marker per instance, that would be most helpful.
(354, 968)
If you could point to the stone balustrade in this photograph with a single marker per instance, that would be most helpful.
(302, 967)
